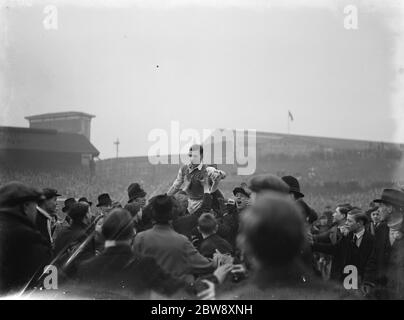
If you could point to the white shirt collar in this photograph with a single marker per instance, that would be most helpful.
(114, 243)
(199, 166)
(110, 243)
(360, 234)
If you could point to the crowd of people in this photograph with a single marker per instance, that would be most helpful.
(191, 242)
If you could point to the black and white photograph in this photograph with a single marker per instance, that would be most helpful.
(214, 152)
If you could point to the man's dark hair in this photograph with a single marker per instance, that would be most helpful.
(344, 208)
(207, 223)
(162, 209)
(118, 225)
(197, 147)
(274, 230)
(78, 212)
(359, 216)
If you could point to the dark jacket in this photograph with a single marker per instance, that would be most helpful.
(395, 270)
(68, 241)
(309, 214)
(382, 249)
(345, 252)
(172, 251)
(209, 245)
(117, 270)
(229, 225)
(218, 203)
(187, 224)
(23, 250)
(68, 235)
(389, 260)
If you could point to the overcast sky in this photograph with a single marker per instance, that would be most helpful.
(219, 65)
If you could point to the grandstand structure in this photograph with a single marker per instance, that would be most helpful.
(70, 121)
(53, 140)
(320, 163)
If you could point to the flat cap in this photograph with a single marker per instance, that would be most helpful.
(268, 182)
(14, 193)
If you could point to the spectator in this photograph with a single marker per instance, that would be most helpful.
(24, 251)
(390, 246)
(294, 189)
(46, 217)
(264, 183)
(63, 222)
(172, 251)
(136, 194)
(273, 234)
(356, 249)
(229, 223)
(104, 203)
(334, 234)
(117, 270)
(71, 237)
(211, 242)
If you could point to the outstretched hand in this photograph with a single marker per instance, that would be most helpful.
(222, 271)
(209, 293)
(220, 258)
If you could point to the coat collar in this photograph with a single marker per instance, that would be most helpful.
(162, 227)
(119, 248)
(44, 213)
(199, 167)
(360, 234)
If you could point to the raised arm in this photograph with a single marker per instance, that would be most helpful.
(177, 183)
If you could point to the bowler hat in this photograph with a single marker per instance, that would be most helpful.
(104, 200)
(268, 182)
(14, 193)
(84, 199)
(294, 185)
(135, 191)
(78, 211)
(68, 204)
(391, 196)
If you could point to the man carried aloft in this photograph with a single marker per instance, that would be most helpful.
(192, 174)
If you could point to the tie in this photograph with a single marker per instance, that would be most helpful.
(355, 240)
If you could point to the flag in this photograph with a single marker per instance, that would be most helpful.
(290, 115)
